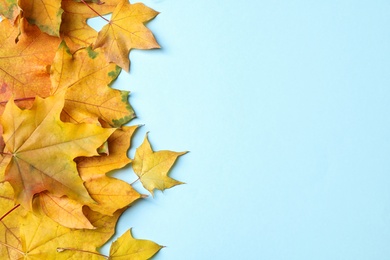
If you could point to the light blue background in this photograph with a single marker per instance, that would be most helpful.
(284, 107)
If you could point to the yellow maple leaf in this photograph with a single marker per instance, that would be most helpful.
(127, 247)
(86, 76)
(43, 238)
(126, 31)
(152, 167)
(74, 28)
(46, 14)
(110, 194)
(40, 149)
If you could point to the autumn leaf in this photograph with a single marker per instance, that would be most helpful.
(111, 194)
(41, 149)
(89, 98)
(43, 238)
(9, 226)
(58, 199)
(9, 9)
(24, 70)
(74, 28)
(126, 31)
(63, 210)
(152, 167)
(46, 14)
(127, 247)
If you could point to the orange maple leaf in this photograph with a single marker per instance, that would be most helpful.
(24, 66)
(40, 148)
(126, 31)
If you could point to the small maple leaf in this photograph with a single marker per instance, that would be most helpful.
(152, 167)
(46, 14)
(40, 149)
(126, 31)
(127, 247)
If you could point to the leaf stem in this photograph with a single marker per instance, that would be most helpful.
(9, 211)
(61, 249)
(93, 10)
(134, 181)
(14, 248)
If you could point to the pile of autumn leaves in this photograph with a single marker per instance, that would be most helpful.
(63, 128)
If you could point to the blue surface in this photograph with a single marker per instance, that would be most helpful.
(284, 106)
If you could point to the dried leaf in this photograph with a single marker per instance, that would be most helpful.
(110, 193)
(43, 238)
(127, 247)
(46, 14)
(65, 211)
(74, 28)
(126, 31)
(152, 167)
(24, 66)
(9, 9)
(42, 149)
(86, 75)
(9, 226)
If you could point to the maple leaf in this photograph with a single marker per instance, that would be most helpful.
(9, 226)
(111, 194)
(41, 149)
(23, 66)
(127, 247)
(43, 238)
(9, 9)
(152, 167)
(126, 31)
(46, 14)
(65, 211)
(74, 28)
(86, 75)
